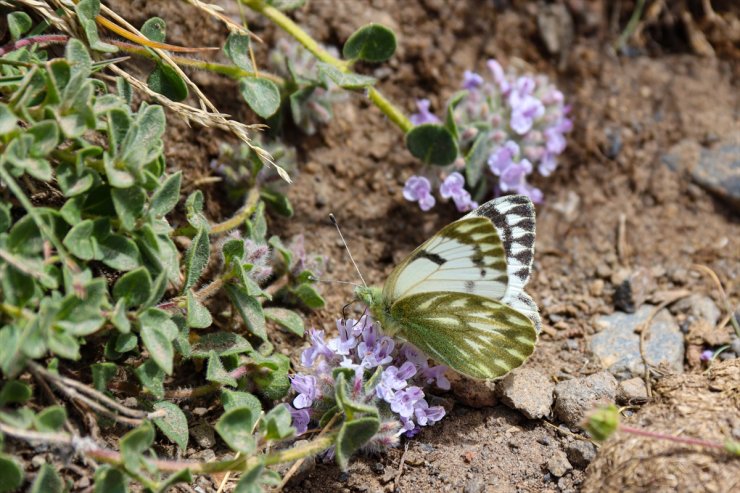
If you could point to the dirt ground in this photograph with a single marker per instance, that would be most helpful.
(611, 208)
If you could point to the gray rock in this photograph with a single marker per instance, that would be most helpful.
(617, 345)
(699, 306)
(580, 453)
(718, 170)
(558, 464)
(527, 391)
(575, 398)
(632, 391)
(630, 294)
(203, 435)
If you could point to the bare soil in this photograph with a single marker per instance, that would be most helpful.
(612, 207)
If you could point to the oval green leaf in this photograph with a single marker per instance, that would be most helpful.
(262, 95)
(432, 144)
(371, 43)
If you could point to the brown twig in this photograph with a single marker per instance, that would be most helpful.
(730, 317)
(644, 329)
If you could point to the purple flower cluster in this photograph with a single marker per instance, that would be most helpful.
(397, 390)
(518, 121)
(419, 189)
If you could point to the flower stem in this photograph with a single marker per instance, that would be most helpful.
(393, 113)
(671, 438)
(286, 24)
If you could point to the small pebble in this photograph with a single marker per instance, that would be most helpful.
(558, 464)
(580, 453)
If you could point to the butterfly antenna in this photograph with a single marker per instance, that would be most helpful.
(332, 281)
(341, 236)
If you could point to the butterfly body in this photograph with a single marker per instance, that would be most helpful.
(459, 296)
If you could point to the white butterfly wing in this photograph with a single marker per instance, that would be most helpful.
(487, 253)
(466, 256)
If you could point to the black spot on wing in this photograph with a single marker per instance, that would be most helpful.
(469, 286)
(522, 274)
(437, 259)
(525, 256)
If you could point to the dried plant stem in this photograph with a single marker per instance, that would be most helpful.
(730, 317)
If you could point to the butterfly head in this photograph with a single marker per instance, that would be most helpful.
(371, 296)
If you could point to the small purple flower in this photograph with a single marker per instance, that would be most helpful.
(471, 80)
(426, 415)
(513, 176)
(404, 401)
(301, 418)
(394, 378)
(547, 165)
(418, 189)
(413, 354)
(706, 355)
(498, 76)
(318, 348)
(409, 428)
(534, 193)
(424, 115)
(436, 374)
(346, 340)
(374, 350)
(454, 187)
(307, 390)
(503, 157)
(554, 141)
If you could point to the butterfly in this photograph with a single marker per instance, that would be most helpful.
(459, 297)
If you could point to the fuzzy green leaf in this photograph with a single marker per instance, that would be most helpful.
(232, 399)
(346, 80)
(432, 144)
(119, 253)
(173, 424)
(134, 444)
(166, 81)
(216, 371)
(50, 419)
(47, 481)
(155, 29)
(223, 343)
(371, 43)
(110, 480)
(101, 375)
(86, 11)
(262, 95)
(276, 425)
(196, 258)
(235, 428)
(352, 436)
(8, 120)
(133, 287)
(159, 346)
(250, 310)
(309, 296)
(287, 319)
(198, 315)
(166, 197)
(12, 473)
(18, 24)
(129, 204)
(237, 49)
(151, 377)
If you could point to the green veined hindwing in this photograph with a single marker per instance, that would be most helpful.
(459, 297)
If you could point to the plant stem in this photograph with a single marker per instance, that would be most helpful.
(671, 438)
(393, 113)
(90, 449)
(242, 214)
(31, 40)
(286, 24)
